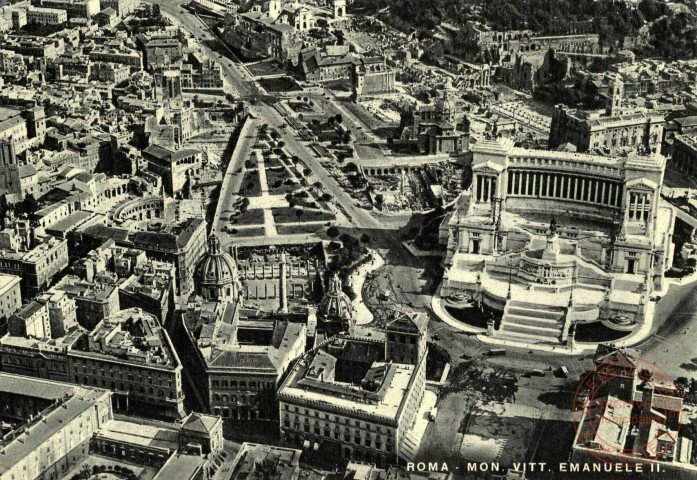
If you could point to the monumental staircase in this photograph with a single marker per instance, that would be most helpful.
(532, 323)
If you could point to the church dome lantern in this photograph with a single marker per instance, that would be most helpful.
(335, 309)
(216, 275)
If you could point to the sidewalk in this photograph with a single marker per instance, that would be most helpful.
(363, 315)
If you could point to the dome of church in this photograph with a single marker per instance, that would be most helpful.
(445, 106)
(216, 271)
(335, 304)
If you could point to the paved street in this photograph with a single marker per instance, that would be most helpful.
(235, 72)
(673, 343)
(240, 79)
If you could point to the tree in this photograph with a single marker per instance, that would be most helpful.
(30, 204)
(333, 232)
(365, 238)
(338, 118)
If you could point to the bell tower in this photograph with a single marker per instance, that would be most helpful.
(614, 101)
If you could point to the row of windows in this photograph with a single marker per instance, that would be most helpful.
(406, 339)
(131, 388)
(122, 376)
(122, 368)
(232, 399)
(358, 426)
(346, 437)
(243, 384)
(334, 419)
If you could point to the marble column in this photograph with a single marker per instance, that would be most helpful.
(527, 183)
(613, 194)
(642, 212)
(534, 182)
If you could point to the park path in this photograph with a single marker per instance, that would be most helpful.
(265, 201)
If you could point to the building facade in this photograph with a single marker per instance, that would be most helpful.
(129, 353)
(237, 364)
(46, 16)
(612, 223)
(174, 166)
(614, 130)
(60, 419)
(438, 130)
(318, 411)
(37, 266)
(10, 297)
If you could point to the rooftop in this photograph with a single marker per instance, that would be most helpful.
(253, 460)
(135, 336)
(8, 281)
(263, 344)
(74, 401)
(379, 393)
(140, 434)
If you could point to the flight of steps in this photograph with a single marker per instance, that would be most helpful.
(531, 323)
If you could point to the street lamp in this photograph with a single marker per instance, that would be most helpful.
(573, 276)
(510, 275)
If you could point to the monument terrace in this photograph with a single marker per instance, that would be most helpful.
(556, 240)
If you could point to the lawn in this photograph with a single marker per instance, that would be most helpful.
(254, 216)
(363, 114)
(289, 215)
(266, 67)
(272, 161)
(279, 181)
(248, 232)
(280, 84)
(305, 202)
(303, 228)
(250, 184)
